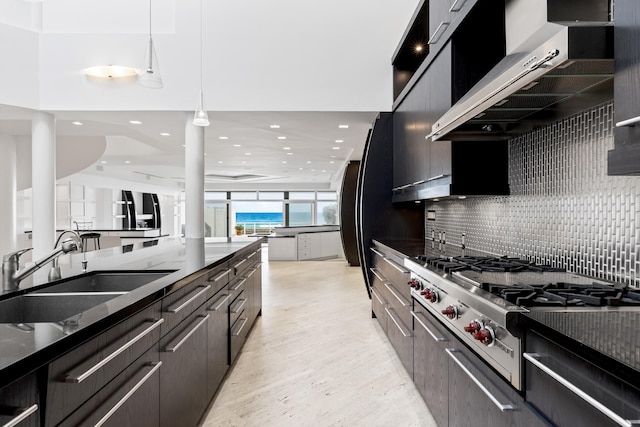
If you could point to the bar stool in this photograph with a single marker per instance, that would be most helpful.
(87, 235)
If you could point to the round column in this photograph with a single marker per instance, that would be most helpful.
(194, 179)
(43, 182)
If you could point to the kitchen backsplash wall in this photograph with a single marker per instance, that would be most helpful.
(563, 210)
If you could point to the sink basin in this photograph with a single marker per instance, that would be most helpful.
(105, 281)
(33, 308)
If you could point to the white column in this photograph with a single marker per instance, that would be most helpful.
(8, 195)
(194, 179)
(43, 182)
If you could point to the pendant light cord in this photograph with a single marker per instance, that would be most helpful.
(201, 43)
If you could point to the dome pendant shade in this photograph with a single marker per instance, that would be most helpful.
(150, 75)
(201, 118)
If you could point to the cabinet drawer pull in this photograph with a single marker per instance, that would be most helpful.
(72, 377)
(396, 266)
(237, 306)
(501, 406)
(155, 366)
(453, 6)
(189, 300)
(533, 358)
(375, 294)
(23, 415)
(220, 276)
(434, 38)
(251, 273)
(422, 323)
(252, 254)
(239, 285)
(397, 323)
(235, 267)
(375, 273)
(219, 302)
(391, 289)
(628, 123)
(171, 348)
(378, 252)
(239, 329)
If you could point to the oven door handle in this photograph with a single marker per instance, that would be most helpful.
(501, 406)
(533, 359)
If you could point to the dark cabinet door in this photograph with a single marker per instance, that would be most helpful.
(217, 342)
(183, 379)
(625, 158)
(430, 363)
(20, 401)
(439, 78)
(401, 338)
(439, 22)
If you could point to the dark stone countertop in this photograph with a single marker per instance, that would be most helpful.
(25, 347)
(608, 338)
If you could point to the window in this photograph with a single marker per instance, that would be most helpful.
(299, 213)
(327, 213)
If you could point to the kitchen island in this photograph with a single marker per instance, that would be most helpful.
(185, 326)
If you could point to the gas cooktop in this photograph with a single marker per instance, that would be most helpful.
(526, 284)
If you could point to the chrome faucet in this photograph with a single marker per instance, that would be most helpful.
(11, 274)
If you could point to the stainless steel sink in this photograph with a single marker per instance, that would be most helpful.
(34, 308)
(106, 281)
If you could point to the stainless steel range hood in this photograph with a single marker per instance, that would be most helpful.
(557, 63)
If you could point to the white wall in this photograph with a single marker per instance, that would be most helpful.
(19, 66)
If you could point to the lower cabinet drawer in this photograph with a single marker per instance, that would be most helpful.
(401, 338)
(378, 304)
(20, 403)
(183, 378)
(238, 335)
(237, 307)
(74, 377)
(130, 399)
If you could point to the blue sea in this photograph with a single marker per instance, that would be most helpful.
(259, 217)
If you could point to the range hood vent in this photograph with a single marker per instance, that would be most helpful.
(551, 70)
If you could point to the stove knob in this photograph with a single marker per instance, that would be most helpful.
(431, 295)
(451, 312)
(473, 327)
(414, 284)
(485, 335)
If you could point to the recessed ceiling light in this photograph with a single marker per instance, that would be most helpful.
(205, 154)
(301, 169)
(244, 161)
(282, 137)
(308, 161)
(339, 140)
(77, 123)
(333, 157)
(418, 47)
(332, 162)
(165, 134)
(237, 145)
(127, 161)
(336, 148)
(289, 154)
(343, 126)
(220, 161)
(135, 122)
(275, 126)
(184, 145)
(247, 154)
(284, 161)
(104, 162)
(286, 148)
(223, 137)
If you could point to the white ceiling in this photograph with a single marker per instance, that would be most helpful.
(249, 65)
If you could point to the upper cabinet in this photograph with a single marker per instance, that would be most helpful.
(426, 169)
(624, 159)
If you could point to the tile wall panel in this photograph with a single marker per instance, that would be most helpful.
(563, 209)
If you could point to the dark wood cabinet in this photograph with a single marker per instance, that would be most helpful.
(624, 159)
(20, 400)
(430, 363)
(183, 379)
(555, 376)
(132, 398)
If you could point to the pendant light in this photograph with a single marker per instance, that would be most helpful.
(150, 74)
(201, 118)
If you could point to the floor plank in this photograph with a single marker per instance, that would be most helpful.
(316, 357)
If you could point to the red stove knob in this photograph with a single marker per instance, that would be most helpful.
(414, 284)
(451, 312)
(473, 327)
(430, 295)
(485, 335)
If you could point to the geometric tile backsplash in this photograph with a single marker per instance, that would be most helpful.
(563, 209)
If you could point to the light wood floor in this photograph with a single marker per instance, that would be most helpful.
(316, 357)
